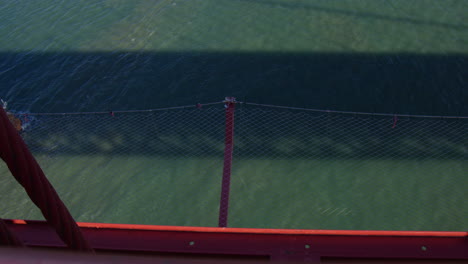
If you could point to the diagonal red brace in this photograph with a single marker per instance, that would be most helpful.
(28, 173)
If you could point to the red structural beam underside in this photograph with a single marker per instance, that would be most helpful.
(316, 246)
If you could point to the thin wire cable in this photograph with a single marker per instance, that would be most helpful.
(120, 111)
(244, 103)
(352, 113)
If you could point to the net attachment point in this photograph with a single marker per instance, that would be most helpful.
(229, 100)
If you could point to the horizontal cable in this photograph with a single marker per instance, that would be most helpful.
(120, 111)
(246, 103)
(352, 113)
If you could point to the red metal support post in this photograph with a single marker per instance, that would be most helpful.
(230, 103)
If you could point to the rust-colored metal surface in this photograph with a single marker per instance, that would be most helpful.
(244, 244)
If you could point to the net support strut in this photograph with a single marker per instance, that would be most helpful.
(228, 149)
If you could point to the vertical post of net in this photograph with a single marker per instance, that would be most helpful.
(228, 149)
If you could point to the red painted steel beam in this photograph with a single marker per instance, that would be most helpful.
(261, 244)
(8, 238)
(39, 256)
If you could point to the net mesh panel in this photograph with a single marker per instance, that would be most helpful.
(301, 169)
(160, 167)
(291, 168)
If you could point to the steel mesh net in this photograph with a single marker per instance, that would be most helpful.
(150, 167)
(291, 168)
(323, 170)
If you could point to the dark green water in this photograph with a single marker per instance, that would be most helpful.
(407, 57)
(358, 55)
